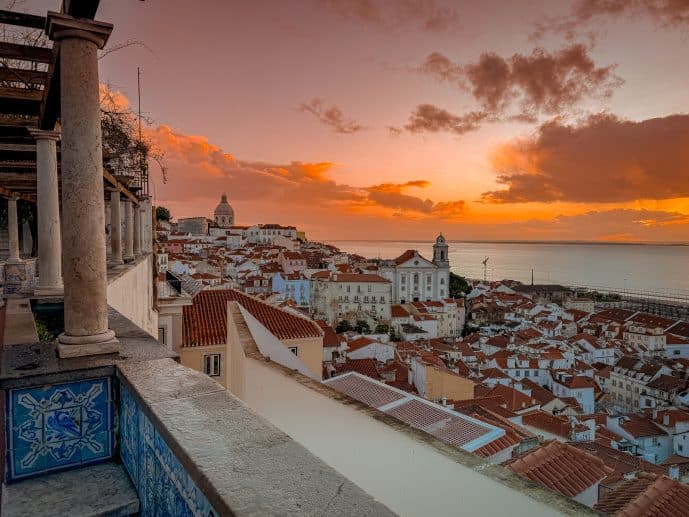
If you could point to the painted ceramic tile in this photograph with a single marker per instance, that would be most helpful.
(58, 426)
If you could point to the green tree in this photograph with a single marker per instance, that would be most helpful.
(163, 214)
(458, 286)
(393, 336)
(362, 327)
(343, 326)
(381, 328)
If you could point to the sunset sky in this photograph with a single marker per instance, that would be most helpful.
(397, 119)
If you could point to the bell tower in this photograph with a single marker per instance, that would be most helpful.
(441, 252)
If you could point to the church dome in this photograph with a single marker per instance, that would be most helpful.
(440, 239)
(224, 214)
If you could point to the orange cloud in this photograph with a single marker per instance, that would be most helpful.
(601, 160)
(198, 169)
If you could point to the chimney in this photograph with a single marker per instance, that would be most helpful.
(666, 419)
(444, 401)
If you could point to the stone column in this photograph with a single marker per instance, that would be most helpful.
(48, 207)
(13, 231)
(108, 230)
(137, 230)
(128, 231)
(115, 228)
(84, 262)
(146, 225)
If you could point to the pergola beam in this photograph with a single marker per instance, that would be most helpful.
(21, 19)
(109, 178)
(24, 94)
(21, 75)
(9, 193)
(25, 52)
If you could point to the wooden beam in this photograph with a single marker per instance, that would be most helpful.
(9, 119)
(23, 94)
(25, 52)
(28, 148)
(8, 193)
(117, 185)
(81, 8)
(28, 108)
(22, 19)
(23, 76)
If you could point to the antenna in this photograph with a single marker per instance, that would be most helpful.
(485, 268)
(138, 88)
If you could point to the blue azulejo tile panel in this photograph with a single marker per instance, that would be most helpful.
(163, 485)
(58, 426)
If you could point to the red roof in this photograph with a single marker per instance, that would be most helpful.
(648, 495)
(559, 426)
(560, 467)
(641, 427)
(515, 399)
(397, 311)
(205, 321)
(365, 367)
(407, 255)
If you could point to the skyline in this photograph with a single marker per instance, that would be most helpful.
(486, 122)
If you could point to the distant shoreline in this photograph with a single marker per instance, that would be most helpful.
(568, 243)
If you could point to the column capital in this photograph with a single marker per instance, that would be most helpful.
(61, 26)
(44, 134)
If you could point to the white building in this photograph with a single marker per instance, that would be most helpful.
(266, 233)
(415, 278)
(349, 296)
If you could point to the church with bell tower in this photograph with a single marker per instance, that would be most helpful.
(414, 278)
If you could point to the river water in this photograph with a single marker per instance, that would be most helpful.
(644, 267)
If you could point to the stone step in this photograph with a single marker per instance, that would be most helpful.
(96, 490)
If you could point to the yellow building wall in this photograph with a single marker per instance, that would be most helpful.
(192, 357)
(441, 383)
(310, 350)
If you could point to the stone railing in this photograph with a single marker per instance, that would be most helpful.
(191, 446)
(172, 440)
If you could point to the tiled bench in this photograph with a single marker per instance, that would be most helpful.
(103, 489)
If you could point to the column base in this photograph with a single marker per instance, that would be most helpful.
(115, 262)
(57, 290)
(80, 346)
(129, 259)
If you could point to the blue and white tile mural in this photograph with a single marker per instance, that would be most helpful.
(164, 486)
(58, 426)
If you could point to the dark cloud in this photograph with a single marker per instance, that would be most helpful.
(540, 82)
(431, 119)
(665, 13)
(331, 116)
(426, 15)
(603, 159)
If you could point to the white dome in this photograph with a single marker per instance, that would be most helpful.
(223, 207)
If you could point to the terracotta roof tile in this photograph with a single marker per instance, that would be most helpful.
(649, 495)
(205, 321)
(560, 467)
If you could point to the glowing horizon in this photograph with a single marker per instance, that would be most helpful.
(357, 120)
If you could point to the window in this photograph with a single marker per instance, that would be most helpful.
(211, 365)
(294, 350)
(442, 281)
(369, 288)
